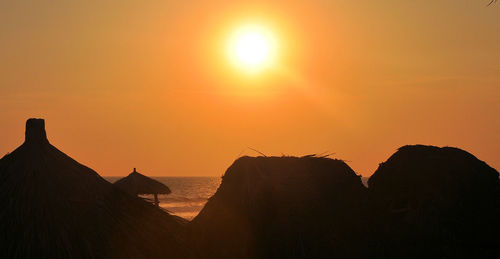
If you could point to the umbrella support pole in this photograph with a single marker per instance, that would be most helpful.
(157, 202)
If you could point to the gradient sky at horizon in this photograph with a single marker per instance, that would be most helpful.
(126, 84)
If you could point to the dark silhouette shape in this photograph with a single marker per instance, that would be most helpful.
(433, 202)
(53, 207)
(283, 207)
(136, 183)
(423, 202)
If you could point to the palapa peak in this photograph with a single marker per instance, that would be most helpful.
(35, 131)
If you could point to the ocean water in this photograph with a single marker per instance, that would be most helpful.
(189, 194)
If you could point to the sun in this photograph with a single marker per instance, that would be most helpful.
(252, 48)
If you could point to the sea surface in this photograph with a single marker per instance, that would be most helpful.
(189, 194)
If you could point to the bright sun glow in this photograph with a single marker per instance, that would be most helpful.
(252, 48)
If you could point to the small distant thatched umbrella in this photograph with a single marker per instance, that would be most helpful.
(136, 183)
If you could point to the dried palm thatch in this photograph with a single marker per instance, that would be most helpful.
(282, 207)
(136, 183)
(436, 202)
(54, 207)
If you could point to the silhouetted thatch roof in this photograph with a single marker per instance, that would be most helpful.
(54, 207)
(282, 207)
(437, 202)
(137, 183)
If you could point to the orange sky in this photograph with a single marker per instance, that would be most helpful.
(146, 84)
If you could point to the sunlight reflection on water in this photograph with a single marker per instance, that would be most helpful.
(189, 194)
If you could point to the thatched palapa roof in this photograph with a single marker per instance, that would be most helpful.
(283, 207)
(436, 202)
(136, 183)
(54, 207)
